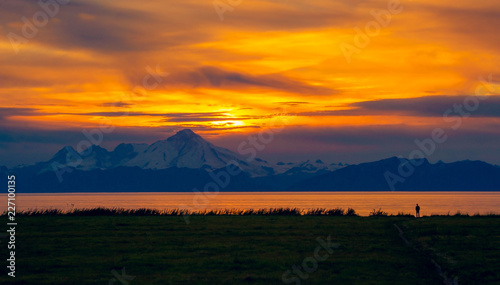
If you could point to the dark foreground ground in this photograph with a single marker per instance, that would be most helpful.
(253, 250)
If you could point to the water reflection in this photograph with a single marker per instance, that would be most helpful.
(362, 202)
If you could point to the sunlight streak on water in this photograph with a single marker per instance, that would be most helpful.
(362, 202)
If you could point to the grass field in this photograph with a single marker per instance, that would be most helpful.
(253, 250)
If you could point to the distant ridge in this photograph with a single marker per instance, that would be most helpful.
(185, 161)
(377, 176)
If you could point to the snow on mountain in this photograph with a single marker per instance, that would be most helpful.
(307, 166)
(185, 149)
(124, 152)
(95, 157)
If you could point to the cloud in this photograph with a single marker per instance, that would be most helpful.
(372, 142)
(12, 112)
(12, 80)
(207, 119)
(292, 103)
(104, 28)
(116, 104)
(429, 106)
(214, 77)
(173, 117)
(473, 26)
(433, 106)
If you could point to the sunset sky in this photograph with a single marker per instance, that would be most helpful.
(151, 68)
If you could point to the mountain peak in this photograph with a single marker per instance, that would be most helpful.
(185, 134)
(186, 130)
(61, 155)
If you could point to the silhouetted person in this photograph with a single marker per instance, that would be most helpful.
(417, 209)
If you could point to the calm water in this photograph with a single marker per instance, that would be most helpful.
(362, 202)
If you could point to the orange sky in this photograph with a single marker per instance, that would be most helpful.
(91, 61)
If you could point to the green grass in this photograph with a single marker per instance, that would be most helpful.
(466, 247)
(248, 249)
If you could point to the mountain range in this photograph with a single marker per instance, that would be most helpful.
(186, 161)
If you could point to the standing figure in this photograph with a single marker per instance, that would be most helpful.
(417, 208)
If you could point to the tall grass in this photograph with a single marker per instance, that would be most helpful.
(466, 214)
(100, 211)
(377, 213)
(403, 214)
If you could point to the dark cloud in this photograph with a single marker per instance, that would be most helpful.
(116, 104)
(476, 27)
(11, 112)
(433, 106)
(296, 15)
(213, 77)
(292, 103)
(117, 114)
(429, 106)
(372, 142)
(173, 117)
(193, 115)
(73, 136)
(87, 25)
(208, 119)
(211, 131)
(135, 114)
(11, 80)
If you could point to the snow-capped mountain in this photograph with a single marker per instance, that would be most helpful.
(93, 158)
(185, 149)
(189, 150)
(307, 166)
